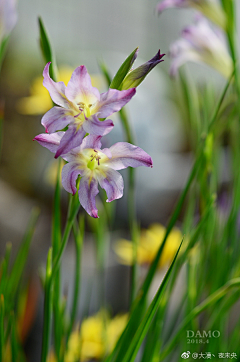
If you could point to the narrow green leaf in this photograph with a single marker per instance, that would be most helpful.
(147, 319)
(3, 48)
(2, 312)
(209, 301)
(123, 70)
(4, 269)
(47, 308)
(72, 213)
(21, 257)
(14, 341)
(153, 340)
(56, 241)
(78, 232)
(105, 73)
(47, 51)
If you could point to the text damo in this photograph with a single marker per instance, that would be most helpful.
(203, 334)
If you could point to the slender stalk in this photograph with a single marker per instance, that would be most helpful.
(1, 327)
(56, 242)
(73, 210)
(51, 273)
(47, 308)
(78, 237)
(14, 344)
(131, 206)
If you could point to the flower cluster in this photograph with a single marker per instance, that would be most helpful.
(74, 128)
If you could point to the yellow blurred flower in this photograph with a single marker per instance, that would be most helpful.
(97, 336)
(39, 101)
(149, 243)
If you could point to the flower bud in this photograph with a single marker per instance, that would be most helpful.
(136, 76)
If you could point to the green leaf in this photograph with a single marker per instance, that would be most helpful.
(47, 308)
(78, 232)
(14, 341)
(148, 317)
(3, 48)
(47, 51)
(105, 73)
(2, 312)
(209, 301)
(21, 257)
(56, 241)
(123, 70)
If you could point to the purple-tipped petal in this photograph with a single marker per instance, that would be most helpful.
(56, 119)
(56, 89)
(112, 183)
(70, 173)
(80, 89)
(92, 141)
(112, 101)
(72, 138)
(50, 141)
(88, 190)
(124, 155)
(99, 128)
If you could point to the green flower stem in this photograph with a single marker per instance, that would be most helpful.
(1, 326)
(51, 274)
(47, 308)
(131, 206)
(3, 48)
(214, 118)
(73, 210)
(14, 343)
(56, 242)
(78, 238)
(211, 300)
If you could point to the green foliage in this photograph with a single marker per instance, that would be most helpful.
(123, 70)
(46, 49)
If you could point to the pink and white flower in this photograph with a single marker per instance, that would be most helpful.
(201, 43)
(95, 166)
(80, 105)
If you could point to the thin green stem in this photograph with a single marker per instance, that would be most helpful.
(56, 242)
(1, 327)
(131, 206)
(214, 118)
(47, 308)
(78, 237)
(73, 210)
(51, 273)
